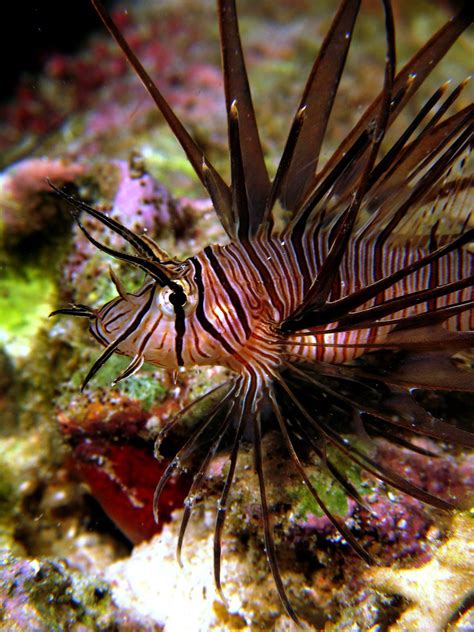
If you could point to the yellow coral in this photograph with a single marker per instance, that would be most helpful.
(438, 588)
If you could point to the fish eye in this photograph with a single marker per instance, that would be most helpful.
(170, 298)
(165, 301)
(178, 299)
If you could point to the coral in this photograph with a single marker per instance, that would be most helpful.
(331, 588)
(174, 596)
(103, 101)
(32, 225)
(23, 209)
(43, 596)
(37, 108)
(112, 452)
(438, 590)
(392, 526)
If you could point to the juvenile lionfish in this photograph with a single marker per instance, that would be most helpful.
(373, 254)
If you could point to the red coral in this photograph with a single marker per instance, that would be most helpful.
(122, 478)
(113, 454)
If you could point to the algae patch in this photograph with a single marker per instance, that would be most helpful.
(331, 493)
(25, 301)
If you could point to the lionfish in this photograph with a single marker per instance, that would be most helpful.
(372, 253)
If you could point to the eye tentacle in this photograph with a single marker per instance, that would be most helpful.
(139, 244)
(122, 292)
(147, 261)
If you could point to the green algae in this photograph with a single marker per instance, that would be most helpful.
(332, 493)
(60, 596)
(25, 301)
(167, 163)
(144, 387)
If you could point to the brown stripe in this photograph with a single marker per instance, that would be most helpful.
(230, 291)
(201, 316)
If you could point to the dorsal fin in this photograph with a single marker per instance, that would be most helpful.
(320, 289)
(193, 151)
(318, 98)
(406, 83)
(255, 181)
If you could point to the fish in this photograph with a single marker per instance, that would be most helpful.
(324, 265)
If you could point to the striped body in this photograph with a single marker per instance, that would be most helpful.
(238, 294)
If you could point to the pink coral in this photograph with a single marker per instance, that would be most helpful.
(22, 206)
(137, 200)
(30, 176)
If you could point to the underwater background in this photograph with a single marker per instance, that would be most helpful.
(78, 544)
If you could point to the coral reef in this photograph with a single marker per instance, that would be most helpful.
(63, 453)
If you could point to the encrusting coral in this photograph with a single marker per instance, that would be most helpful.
(438, 592)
